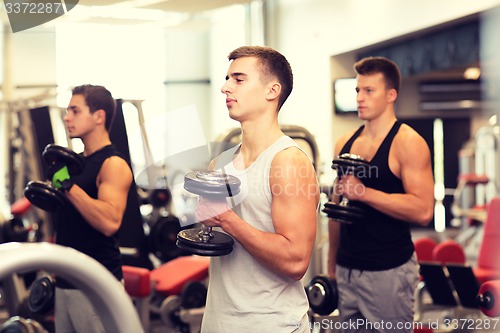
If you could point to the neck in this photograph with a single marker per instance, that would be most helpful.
(91, 145)
(257, 137)
(380, 125)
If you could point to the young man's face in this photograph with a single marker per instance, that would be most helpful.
(246, 93)
(372, 96)
(78, 119)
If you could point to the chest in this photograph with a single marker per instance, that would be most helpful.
(365, 148)
(370, 149)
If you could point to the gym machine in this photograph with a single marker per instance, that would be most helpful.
(454, 284)
(30, 130)
(107, 296)
(487, 162)
(14, 288)
(478, 184)
(157, 232)
(175, 293)
(488, 298)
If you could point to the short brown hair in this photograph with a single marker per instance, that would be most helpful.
(98, 98)
(274, 64)
(388, 68)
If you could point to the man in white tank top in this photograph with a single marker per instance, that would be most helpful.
(257, 287)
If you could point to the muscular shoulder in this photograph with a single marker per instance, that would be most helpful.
(409, 142)
(291, 159)
(115, 161)
(116, 166)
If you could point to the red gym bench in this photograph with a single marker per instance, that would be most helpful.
(447, 272)
(168, 280)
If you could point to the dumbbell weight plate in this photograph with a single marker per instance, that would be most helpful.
(351, 164)
(221, 244)
(211, 184)
(346, 214)
(72, 160)
(41, 296)
(44, 196)
(193, 295)
(322, 294)
(163, 236)
(160, 197)
(169, 312)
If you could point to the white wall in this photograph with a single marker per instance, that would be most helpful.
(227, 33)
(31, 55)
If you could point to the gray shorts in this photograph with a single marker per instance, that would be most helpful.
(74, 313)
(378, 301)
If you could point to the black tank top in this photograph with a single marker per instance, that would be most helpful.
(73, 231)
(379, 242)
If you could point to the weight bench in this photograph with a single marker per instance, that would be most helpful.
(465, 283)
(464, 280)
(446, 283)
(160, 291)
(137, 283)
(438, 284)
(451, 285)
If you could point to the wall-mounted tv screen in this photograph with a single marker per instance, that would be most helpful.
(344, 95)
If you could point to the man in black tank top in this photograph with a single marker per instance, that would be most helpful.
(97, 201)
(373, 259)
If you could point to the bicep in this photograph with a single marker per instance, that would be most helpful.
(416, 170)
(115, 178)
(295, 194)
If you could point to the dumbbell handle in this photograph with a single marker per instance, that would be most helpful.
(205, 233)
(344, 202)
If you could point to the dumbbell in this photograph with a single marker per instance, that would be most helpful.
(323, 295)
(215, 186)
(41, 295)
(345, 211)
(19, 324)
(43, 194)
(162, 237)
(193, 296)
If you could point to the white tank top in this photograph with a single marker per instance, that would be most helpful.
(244, 295)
